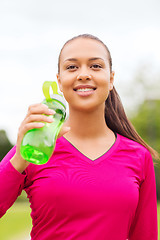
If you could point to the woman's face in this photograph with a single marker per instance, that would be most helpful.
(84, 76)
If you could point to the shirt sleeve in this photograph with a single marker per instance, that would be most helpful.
(11, 182)
(145, 223)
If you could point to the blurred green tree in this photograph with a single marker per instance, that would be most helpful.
(5, 144)
(147, 124)
(143, 107)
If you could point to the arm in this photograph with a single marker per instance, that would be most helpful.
(144, 225)
(12, 167)
(11, 182)
(13, 171)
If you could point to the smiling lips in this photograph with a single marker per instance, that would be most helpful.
(84, 88)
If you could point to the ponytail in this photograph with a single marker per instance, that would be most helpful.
(117, 121)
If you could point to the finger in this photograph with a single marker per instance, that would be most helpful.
(63, 131)
(38, 118)
(40, 108)
(25, 128)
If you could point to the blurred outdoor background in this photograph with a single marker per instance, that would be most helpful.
(31, 36)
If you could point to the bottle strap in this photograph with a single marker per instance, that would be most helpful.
(46, 86)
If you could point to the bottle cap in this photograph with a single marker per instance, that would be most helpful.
(46, 87)
(59, 98)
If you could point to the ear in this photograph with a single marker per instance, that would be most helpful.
(111, 80)
(59, 82)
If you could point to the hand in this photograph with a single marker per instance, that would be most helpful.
(35, 118)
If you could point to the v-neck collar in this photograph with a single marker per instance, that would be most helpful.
(79, 154)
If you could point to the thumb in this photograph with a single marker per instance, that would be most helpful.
(63, 130)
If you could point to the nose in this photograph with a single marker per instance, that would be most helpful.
(84, 75)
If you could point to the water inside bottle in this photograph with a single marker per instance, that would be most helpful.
(38, 144)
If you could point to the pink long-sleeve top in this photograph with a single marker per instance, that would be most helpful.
(75, 198)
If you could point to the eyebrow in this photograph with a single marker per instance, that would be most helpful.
(90, 59)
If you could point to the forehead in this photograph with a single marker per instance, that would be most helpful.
(84, 48)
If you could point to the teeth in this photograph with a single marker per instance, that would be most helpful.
(84, 89)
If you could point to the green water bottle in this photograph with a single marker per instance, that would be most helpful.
(38, 144)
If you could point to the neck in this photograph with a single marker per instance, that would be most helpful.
(87, 125)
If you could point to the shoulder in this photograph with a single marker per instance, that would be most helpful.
(62, 145)
(134, 150)
(131, 145)
(135, 154)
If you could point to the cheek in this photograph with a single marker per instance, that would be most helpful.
(104, 89)
(104, 83)
(66, 88)
(65, 83)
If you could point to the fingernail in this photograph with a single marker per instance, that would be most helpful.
(50, 119)
(40, 124)
(51, 111)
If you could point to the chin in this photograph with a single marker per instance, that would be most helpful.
(87, 108)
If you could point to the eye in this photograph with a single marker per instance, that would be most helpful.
(96, 66)
(71, 67)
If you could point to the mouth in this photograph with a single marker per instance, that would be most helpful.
(84, 88)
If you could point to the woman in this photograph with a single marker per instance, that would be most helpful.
(100, 181)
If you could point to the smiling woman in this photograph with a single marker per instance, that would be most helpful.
(86, 62)
(115, 115)
(99, 182)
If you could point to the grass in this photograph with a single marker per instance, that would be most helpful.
(158, 207)
(17, 222)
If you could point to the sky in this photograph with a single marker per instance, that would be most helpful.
(33, 32)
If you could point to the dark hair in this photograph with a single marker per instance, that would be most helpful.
(115, 115)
